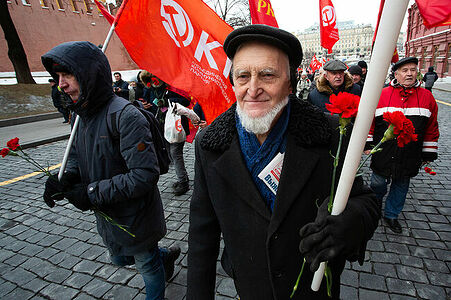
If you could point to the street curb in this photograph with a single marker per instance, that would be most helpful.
(44, 141)
(29, 119)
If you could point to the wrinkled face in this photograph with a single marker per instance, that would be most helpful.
(69, 84)
(356, 78)
(117, 77)
(406, 74)
(363, 71)
(261, 78)
(335, 78)
(303, 76)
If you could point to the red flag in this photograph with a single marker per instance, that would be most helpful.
(262, 13)
(105, 13)
(180, 41)
(395, 56)
(328, 24)
(435, 12)
(315, 64)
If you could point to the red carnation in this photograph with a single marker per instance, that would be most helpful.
(4, 152)
(402, 127)
(432, 173)
(344, 104)
(427, 169)
(13, 143)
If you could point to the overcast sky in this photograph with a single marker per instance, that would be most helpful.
(294, 15)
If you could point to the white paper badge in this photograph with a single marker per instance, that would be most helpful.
(271, 173)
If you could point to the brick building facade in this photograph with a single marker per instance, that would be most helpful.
(432, 46)
(43, 24)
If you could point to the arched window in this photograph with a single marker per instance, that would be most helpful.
(434, 58)
(448, 59)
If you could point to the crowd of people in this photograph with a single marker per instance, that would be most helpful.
(262, 168)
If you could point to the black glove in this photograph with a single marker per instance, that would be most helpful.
(53, 191)
(331, 236)
(69, 180)
(78, 196)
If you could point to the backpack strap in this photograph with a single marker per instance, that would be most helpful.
(115, 108)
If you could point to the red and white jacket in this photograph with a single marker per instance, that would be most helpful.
(420, 107)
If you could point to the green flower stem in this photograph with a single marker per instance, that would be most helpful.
(112, 221)
(328, 275)
(374, 150)
(297, 281)
(336, 159)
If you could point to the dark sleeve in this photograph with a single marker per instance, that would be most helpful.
(203, 240)
(137, 150)
(198, 110)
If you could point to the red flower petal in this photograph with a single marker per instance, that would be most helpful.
(403, 127)
(13, 143)
(344, 104)
(4, 152)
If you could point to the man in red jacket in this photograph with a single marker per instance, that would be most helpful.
(394, 164)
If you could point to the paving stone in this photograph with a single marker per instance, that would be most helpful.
(35, 285)
(439, 279)
(78, 280)
(78, 248)
(401, 297)
(347, 292)
(371, 281)
(349, 277)
(175, 291)
(49, 240)
(6, 287)
(411, 261)
(64, 244)
(83, 296)
(122, 275)
(410, 273)
(421, 252)
(396, 248)
(18, 293)
(427, 291)
(97, 288)
(19, 276)
(121, 292)
(372, 295)
(436, 265)
(16, 260)
(383, 269)
(424, 234)
(404, 287)
(56, 291)
(58, 276)
(87, 266)
(226, 287)
(106, 271)
(385, 257)
(30, 249)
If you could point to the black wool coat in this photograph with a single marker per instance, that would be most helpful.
(261, 249)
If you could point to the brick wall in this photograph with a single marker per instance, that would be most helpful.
(41, 28)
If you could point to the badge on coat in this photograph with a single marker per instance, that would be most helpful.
(271, 173)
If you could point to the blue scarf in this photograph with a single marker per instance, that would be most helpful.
(257, 156)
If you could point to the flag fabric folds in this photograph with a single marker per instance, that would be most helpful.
(328, 24)
(435, 12)
(262, 13)
(104, 12)
(180, 42)
(315, 64)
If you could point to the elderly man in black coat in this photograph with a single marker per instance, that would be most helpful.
(262, 169)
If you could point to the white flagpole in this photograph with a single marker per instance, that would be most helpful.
(77, 118)
(384, 46)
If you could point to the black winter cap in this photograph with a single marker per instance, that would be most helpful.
(362, 64)
(404, 61)
(279, 38)
(355, 70)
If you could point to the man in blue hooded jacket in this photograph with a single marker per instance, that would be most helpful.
(117, 178)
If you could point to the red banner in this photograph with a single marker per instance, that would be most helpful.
(315, 64)
(262, 12)
(328, 24)
(435, 12)
(104, 12)
(180, 41)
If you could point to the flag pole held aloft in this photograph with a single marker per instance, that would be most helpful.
(389, 28)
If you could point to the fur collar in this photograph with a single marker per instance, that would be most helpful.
(307, 125)
(324, 87)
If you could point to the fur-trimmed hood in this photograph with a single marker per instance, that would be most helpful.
(324, 87)
(307, 124)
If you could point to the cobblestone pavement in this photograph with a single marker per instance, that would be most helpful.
(57, 253)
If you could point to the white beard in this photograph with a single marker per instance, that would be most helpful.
(260, 125)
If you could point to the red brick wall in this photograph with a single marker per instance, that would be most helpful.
(430, 46)
(40, 29)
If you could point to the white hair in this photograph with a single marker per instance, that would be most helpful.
(260, 125)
